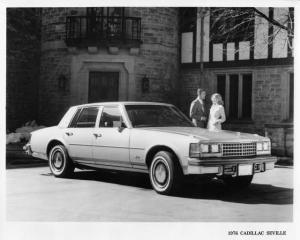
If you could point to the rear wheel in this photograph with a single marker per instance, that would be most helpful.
(165, 173)
(239, 181)
(59, 162)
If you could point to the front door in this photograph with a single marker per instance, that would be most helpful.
(103, 86)
(112, 144)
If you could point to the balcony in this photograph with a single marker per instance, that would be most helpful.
(86, 31)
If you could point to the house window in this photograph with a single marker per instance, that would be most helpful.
(188, 20)
(236, 90)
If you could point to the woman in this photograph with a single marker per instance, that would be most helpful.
(216, 114)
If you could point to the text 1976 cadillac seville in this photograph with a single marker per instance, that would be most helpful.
(155, 138)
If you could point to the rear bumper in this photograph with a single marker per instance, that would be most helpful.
(28, 151)
(222, 166)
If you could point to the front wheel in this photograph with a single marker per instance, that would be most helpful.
(239, 181)
(59, 162)
(165, 173)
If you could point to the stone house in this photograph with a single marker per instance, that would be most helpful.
(253, 71)
(159, 54)
(22, 66)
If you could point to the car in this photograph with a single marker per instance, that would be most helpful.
(148, 137)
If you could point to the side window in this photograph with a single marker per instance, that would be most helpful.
(111, 117)
(86, 119)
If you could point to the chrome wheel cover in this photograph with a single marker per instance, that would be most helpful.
(160, 173)
(57, 160)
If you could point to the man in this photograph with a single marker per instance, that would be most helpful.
(198, 112)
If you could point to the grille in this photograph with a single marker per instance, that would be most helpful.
(239, 149)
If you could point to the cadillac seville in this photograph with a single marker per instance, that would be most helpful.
(154, 138)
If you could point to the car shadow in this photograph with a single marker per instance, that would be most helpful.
(254, 194)
(139, 180)
(198, 189)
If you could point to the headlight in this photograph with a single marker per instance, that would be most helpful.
(204, 148)
(215, 148)
(194, 150)
(259, 146)
(263, 147)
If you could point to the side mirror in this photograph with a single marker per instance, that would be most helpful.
(121, 125)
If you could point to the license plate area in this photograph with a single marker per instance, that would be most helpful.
(245, 169)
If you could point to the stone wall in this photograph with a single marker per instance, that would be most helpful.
(157, 59)
(282, 136)
(269, 89)
(159, 54)
(54, 101)
(23, 57)
(189, 81)
(269, 100)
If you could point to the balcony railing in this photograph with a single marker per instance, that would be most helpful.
(98, 30)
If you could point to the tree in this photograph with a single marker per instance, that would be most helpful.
(228, 24)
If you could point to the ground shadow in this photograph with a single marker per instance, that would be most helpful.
(25, 163)
(138, 180)
(254, 194)
(198, 189)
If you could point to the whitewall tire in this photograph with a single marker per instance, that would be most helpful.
(59, 162)
(165, 175)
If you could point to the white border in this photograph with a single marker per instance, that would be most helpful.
(195, 230)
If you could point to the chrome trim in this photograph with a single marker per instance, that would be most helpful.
(222, 161)
(110, 167)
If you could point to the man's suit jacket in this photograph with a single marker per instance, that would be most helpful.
(197, 111)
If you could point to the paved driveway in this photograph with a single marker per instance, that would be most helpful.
(33, 194)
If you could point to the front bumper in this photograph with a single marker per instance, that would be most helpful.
(232, 166)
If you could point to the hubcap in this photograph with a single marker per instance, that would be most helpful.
(58, 160)
(161, 173)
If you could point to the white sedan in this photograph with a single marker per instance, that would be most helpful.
(149, 137)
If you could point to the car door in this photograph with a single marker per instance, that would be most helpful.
(79, 135)
(112, 139)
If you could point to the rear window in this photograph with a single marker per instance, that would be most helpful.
(65, 121)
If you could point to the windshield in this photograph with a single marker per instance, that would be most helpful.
(156, 116)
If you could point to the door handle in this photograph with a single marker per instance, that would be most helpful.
(97, 135)
(69, 134)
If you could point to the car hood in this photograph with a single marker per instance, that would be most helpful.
(206, 135)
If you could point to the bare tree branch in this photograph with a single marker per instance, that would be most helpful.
(272, 21)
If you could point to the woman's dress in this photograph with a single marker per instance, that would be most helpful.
(216, 117)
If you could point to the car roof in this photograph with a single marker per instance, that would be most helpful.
(122, 103)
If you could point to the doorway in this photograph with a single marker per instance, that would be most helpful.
(103, 87)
